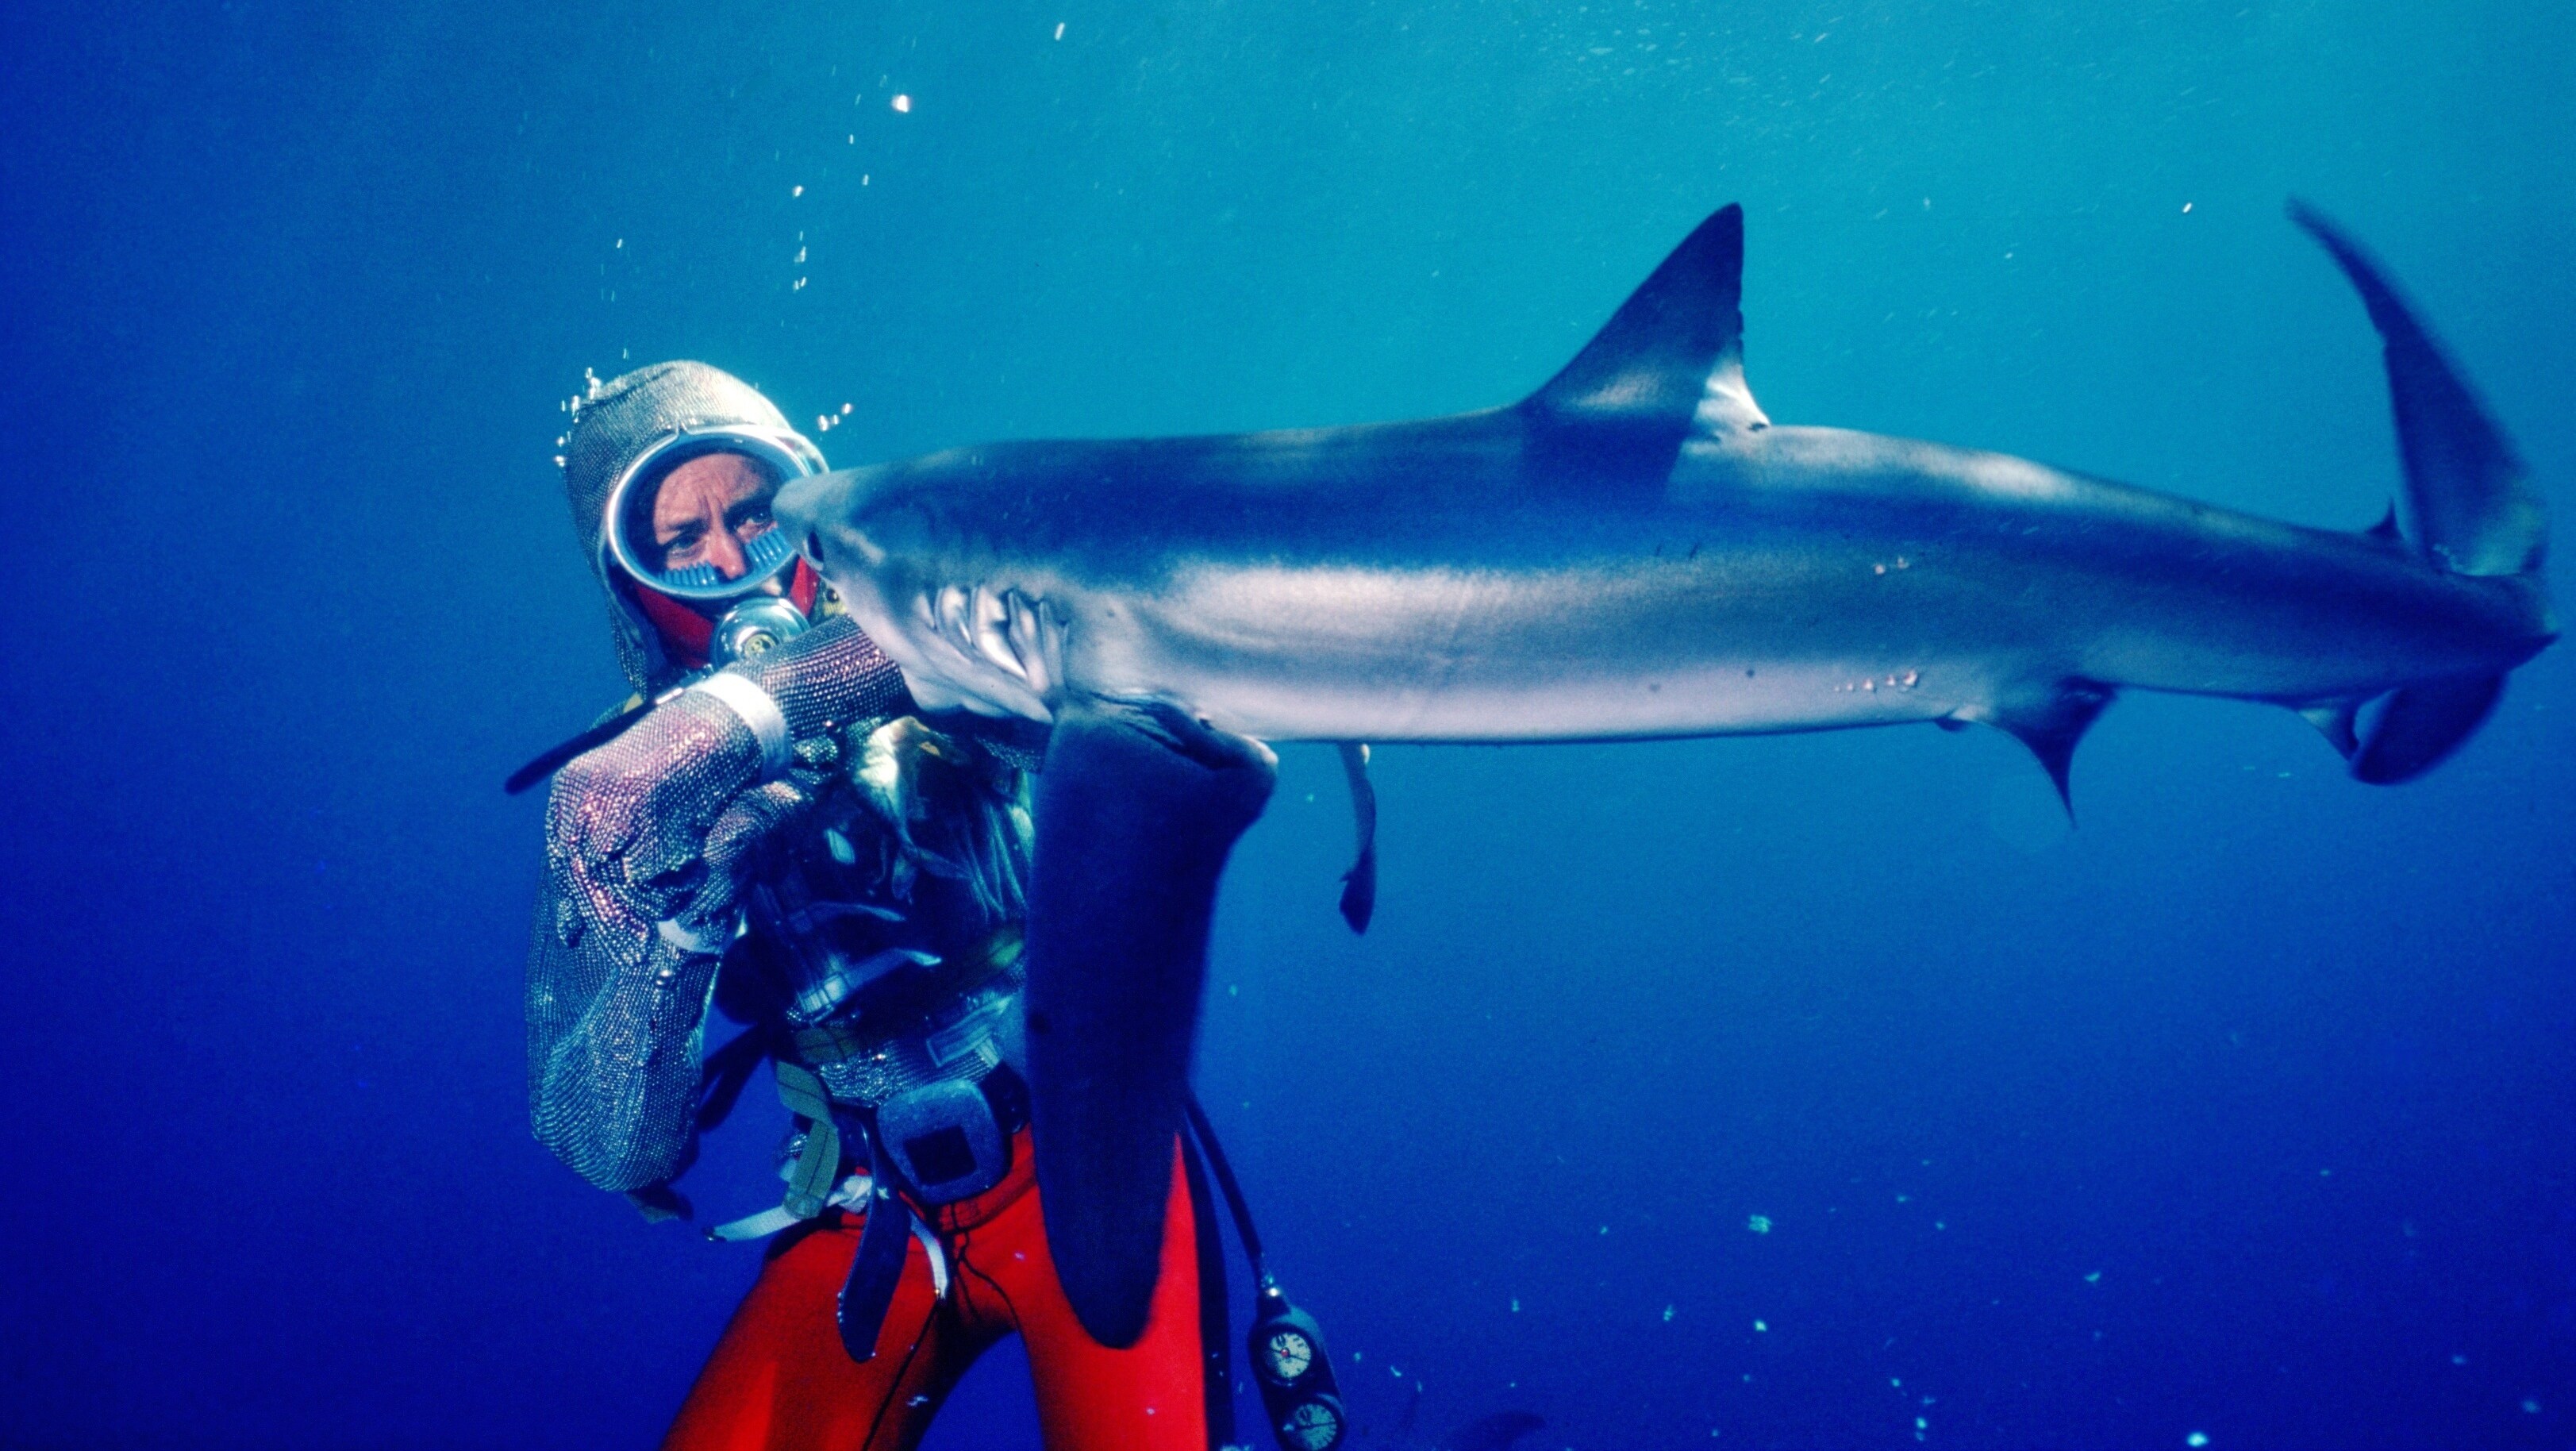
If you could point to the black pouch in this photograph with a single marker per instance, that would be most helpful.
(945, 1141)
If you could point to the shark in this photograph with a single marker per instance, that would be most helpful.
(1633, 551)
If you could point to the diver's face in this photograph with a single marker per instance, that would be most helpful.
(708, 508)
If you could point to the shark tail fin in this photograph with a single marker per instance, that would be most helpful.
(2469, 504)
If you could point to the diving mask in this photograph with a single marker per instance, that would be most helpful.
(712, 538)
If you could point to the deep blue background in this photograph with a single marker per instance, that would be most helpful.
(290, 293)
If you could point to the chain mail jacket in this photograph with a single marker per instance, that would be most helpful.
(649, 840)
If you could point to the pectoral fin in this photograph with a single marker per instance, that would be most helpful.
(1136, 811)
(2051, 724)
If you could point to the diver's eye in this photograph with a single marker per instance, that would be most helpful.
(684, 546)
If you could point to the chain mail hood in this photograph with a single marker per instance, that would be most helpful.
(612, 424)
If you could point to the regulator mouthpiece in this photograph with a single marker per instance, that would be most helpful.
(755, 627)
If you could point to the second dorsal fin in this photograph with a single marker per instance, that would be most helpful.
(1631, 396)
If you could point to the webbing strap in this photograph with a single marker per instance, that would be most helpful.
(818, 1166)
(755, 1226)
(813, 1179)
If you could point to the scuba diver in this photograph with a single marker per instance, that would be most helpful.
(769, 828)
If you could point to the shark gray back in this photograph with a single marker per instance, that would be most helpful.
(1632, 551)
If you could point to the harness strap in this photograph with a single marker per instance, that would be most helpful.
(992, 963)
(877, 1268)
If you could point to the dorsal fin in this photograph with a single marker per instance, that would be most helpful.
(1629, 398)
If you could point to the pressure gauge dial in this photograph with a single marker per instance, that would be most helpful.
(1314, 1425)
(1287, 1355)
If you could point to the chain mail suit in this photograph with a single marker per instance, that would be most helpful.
(785, 843)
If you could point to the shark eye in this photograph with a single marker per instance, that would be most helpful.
(814, 547)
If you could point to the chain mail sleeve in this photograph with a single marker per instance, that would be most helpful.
(645, 837)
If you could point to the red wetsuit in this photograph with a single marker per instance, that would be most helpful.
(780, 1381)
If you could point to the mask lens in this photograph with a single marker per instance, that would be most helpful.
(695, 520)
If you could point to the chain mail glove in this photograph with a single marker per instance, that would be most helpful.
(647, 839)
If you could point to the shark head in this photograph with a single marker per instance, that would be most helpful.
(966, 632)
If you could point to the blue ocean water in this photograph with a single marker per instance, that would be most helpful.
(1816, 1091)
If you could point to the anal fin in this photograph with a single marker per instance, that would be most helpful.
(1137, 809)
(2334, 720)
(2386, 531)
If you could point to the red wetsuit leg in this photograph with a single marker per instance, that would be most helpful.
(780, 1381)
(1159, 1394)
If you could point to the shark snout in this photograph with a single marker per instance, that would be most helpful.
(817, 509)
